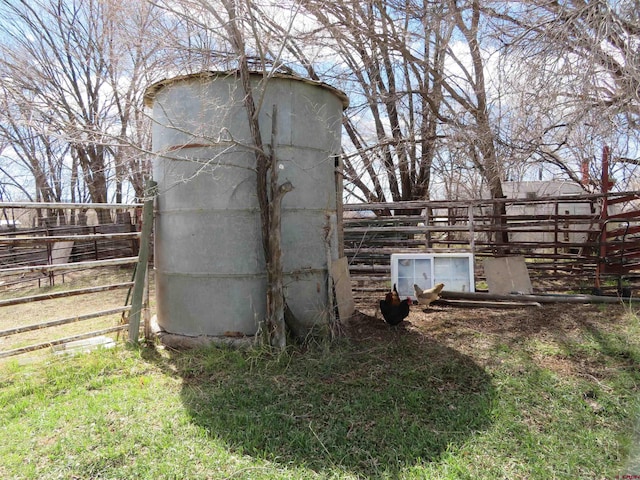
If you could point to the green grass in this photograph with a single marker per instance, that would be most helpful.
(406, 407)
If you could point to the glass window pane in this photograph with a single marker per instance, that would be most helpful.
(453, 272)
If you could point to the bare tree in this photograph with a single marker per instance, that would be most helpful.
(80, 67)
(33, 149)
(388, 51)
(475, 100)
(55, 56)
(579, 82)
(135, 58)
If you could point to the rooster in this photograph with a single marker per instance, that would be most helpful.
(393, 310)
(425, 297)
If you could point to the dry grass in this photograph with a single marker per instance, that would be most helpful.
(47, 310)
(450, 393)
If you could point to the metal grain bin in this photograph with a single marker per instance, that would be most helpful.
(210, 268)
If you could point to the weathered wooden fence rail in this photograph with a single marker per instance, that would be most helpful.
(36, 246)
(52, 250)
(560, 237)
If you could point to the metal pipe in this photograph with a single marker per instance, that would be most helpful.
(536, 298)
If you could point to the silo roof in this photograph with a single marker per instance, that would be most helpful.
(154, 88)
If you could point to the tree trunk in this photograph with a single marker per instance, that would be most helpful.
(270, 208)
(91, 160)
(275, 284)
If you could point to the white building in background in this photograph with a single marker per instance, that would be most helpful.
(566, 232)
(540, 188)
(10, 223)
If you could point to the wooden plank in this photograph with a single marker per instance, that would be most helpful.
(487, 202)
(360, 278)
(511, 227)
(141, 267)
(624, 198)
(65, 238)
(485, 304)
(507, 274)
(85, 346)
(68, 293)
(40, 346)
(46, 269)
(414, 219)
(61, 251)
(632, 230)
(342, 286)
(536, 298)
(61, 205)
(63, 321)
(414, 230)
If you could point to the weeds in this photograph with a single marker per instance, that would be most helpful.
(397, 405)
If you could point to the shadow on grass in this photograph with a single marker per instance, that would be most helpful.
(369, 405)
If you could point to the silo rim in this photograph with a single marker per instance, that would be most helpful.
(151, 91)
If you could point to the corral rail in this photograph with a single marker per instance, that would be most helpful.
(569, 241)
(56, 260)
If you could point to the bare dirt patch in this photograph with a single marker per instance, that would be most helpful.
(547, 334)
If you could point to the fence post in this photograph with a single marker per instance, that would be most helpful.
(556, 231)
(143, 259)
(427, 226)
(472, 233)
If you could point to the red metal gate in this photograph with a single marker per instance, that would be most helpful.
(619, 232)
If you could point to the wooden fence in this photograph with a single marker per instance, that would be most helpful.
(569, 242)
(58, 251)
(575, 241)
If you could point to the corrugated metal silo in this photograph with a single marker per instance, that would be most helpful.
(210, 268)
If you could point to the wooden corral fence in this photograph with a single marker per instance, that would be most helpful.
(37, 255)
(60, 239)
(577, 241)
